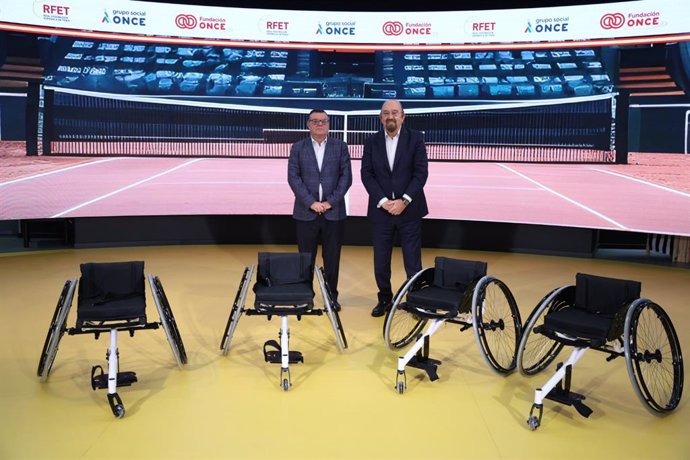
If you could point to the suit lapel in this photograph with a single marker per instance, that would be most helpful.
(311, 155)
(328, 154)
(382, 148)
(399, 149)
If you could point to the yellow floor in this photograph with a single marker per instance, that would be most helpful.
(341, 406)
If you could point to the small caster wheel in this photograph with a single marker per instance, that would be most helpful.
(286, 385)
(533, 422)
(119, 411)
(400, 387)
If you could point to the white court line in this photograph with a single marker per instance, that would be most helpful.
(651, 184)
(488, 187)
(225, 182)
(114, 192)
(57, 171)
(580, 205)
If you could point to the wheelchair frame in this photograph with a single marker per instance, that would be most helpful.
(114, 377)
(539, 347)
(403, 324)
(282, 353)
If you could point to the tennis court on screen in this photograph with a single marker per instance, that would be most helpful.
(579, 195)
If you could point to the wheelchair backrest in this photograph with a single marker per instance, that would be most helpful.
(112, 280)
(457, 274)
(602, 295)
(276, 268)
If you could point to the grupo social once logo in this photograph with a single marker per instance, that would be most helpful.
(612, 21)
(392, 28)
(185, 21)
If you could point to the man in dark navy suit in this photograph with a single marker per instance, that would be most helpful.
(394, 171)
(319, 174)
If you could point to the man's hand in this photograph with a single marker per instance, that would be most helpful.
(394, 207)
(318, 207)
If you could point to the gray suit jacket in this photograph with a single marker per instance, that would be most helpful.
(304, 178)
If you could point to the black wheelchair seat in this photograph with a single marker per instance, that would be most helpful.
(599, 302)
(284, 279)
(284, 294)
(111, 292)
(446, 293)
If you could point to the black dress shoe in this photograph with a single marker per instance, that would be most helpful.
(380, 309)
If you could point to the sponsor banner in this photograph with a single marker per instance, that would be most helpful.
(524, 25)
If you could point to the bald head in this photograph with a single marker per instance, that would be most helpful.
(392, 116)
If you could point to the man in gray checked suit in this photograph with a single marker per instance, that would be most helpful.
(319, 174)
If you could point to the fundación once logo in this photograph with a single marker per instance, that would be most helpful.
(185, 21)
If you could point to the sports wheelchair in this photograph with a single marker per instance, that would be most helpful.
(111, 298)
(457, 292)
(283, 288)
(607, 315)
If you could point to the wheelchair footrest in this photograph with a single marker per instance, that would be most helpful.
(570, 398)
(100, 381)
(426, 364)
(274, 356)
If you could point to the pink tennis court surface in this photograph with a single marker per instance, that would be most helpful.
(651, 194)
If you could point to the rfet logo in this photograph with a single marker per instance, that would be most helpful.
(618, 20)
(51, 11)
(476, 27)
(273, 26)
(395, 28)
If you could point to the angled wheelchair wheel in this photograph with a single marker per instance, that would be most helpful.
(56, 330)
(653, 356)
(536, 351)
(168, 320)
(401, 327)
(237, 309)
(333, 315)
(497, 324)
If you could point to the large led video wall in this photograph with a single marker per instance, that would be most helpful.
(516, 132)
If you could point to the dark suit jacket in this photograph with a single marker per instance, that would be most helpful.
(304, 178)
(409, 174)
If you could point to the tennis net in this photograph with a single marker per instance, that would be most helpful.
(83, 123)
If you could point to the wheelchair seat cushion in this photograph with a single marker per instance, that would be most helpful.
(457, 274)
(579, 323)
(601, 295)
(111, 291)
(284, 294)
(435, 298)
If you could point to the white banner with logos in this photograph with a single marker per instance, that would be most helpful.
(377, 30)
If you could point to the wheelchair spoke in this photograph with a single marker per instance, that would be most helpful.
(653, 356)
(497, 324)
(536, 351)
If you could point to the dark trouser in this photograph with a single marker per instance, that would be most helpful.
(411, 242)
(330, 233)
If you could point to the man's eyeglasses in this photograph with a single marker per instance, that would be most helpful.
(318, 122)
(394, 113)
